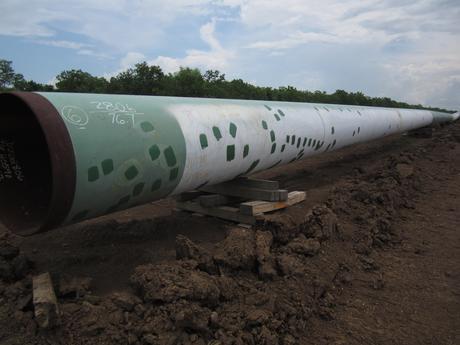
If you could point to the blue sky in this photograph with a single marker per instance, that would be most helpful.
(407, 50)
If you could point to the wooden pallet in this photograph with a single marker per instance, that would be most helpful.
(242, 200)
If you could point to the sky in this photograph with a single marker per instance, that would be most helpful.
(406, 50)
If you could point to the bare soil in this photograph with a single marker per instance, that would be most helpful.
(371, 257)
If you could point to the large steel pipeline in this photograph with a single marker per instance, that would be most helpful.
(68, 157)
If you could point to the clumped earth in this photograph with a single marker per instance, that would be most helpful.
(371, 257)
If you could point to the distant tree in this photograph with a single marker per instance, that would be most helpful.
(187, 82)
(7, 75)
(79, 81)
(140, 80)
(30, 85)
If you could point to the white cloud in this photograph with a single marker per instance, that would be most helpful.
(216, 57)
(63, 44)
(131, 59)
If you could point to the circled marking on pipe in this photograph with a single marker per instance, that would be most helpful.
(75, 115)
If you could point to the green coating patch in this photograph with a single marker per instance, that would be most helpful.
(232, 129)
(273, 148)
(203, 141)
(266, 106)
(170, 156)
(287, 139)
(216, 132)
(298, 142)
(253, 166)
(264, 125)
(309, 142)
(107, 166)
(333, 143)
(230, 153)
(124, 200)
(80, 216)
(156, 185)
(359, 129)
(138, 189)
(293, 140)
(147, 126)
(245, 151)
(314, 143)
(277, 117)
(274, 165)
(173, 173)
(281, 112)
(332, 130)
(283, 147)
(304, 142)
(272, 135)
(131, 173)
(154, 152)
(93, 174)
(110, 146)
(354, 132)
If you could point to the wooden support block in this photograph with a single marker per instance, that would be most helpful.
(233, 189)
(186, 196)
(224, 212)
(256, 183)
(256, 207)
(45, 302)
(213, 200)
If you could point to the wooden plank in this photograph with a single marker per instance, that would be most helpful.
(246, 192)
(213, 200)
(256, 207)
(224, 212)
(46, 307)
(256, 183)
(186, 196)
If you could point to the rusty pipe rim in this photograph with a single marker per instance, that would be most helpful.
(61, 157)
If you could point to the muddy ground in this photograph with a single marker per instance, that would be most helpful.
(371, 257)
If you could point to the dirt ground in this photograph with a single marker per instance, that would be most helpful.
(371, 257)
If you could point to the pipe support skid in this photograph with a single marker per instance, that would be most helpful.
(68, 157)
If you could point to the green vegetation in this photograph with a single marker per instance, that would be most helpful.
(151, 80)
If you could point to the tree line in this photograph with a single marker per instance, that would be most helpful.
(144, 79)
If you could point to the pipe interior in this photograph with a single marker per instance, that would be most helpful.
(25, 168)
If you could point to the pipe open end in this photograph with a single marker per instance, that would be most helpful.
(35, 149)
